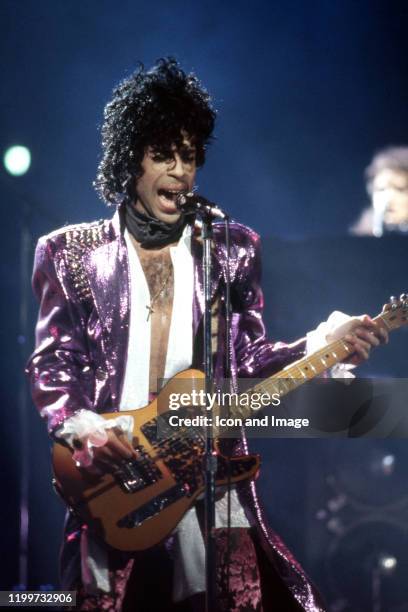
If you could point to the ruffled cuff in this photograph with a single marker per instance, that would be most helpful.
(318, 338)
(89, 428)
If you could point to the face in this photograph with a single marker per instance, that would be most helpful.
(165, 174)
(390, 196)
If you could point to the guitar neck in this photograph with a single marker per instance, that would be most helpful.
(307, 368)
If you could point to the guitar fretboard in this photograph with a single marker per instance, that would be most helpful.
(307, 368)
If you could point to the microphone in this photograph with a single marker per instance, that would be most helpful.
(190, 203)
(378, 218)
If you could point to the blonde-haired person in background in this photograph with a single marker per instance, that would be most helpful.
(387, 186)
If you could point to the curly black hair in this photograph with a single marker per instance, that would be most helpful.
(150, 109)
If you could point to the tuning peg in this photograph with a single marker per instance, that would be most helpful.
(393, 302)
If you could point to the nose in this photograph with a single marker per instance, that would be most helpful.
(177, 167)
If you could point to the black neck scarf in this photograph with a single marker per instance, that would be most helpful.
(149, 231)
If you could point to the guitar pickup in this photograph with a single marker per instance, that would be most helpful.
(133, 475)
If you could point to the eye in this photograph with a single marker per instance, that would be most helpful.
(188, 157)
(160, 156)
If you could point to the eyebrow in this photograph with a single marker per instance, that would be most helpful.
(187, 148)
(184, 148)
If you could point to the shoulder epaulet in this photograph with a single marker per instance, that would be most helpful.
(87, 235)
(237, 229)
(78, 240)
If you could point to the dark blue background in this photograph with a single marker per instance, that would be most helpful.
(306, 92)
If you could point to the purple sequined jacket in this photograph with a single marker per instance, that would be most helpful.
(81, 279)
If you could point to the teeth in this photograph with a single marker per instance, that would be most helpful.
(169, 195)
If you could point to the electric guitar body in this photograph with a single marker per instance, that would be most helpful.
(141, 503)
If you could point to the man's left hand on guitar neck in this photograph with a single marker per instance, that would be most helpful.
(363, 333)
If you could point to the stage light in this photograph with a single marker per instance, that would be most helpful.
(387, 563)
(388, 464)
(17, 160)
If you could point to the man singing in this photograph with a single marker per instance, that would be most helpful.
(121, 305)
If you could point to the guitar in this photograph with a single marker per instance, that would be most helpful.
(140, 503)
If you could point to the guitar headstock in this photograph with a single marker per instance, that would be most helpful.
(395, 312)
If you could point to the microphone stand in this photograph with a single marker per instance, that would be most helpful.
(207, 211)
(210, 458)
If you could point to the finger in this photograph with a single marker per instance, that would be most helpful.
(128, 446)
(362, 352)
(106, 455)
(109, 451)
(379, 332)
(357, 359)
(358, 343)
(368, 336)
(118, 447)
(383, 335)
(369, 323)
(367, 320)
(125, 440)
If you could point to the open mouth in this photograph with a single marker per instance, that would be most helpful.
(168, 198)
(169, 194)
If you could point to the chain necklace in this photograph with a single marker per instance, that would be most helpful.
(158, 294)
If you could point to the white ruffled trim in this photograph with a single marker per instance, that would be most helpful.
(85, 423)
